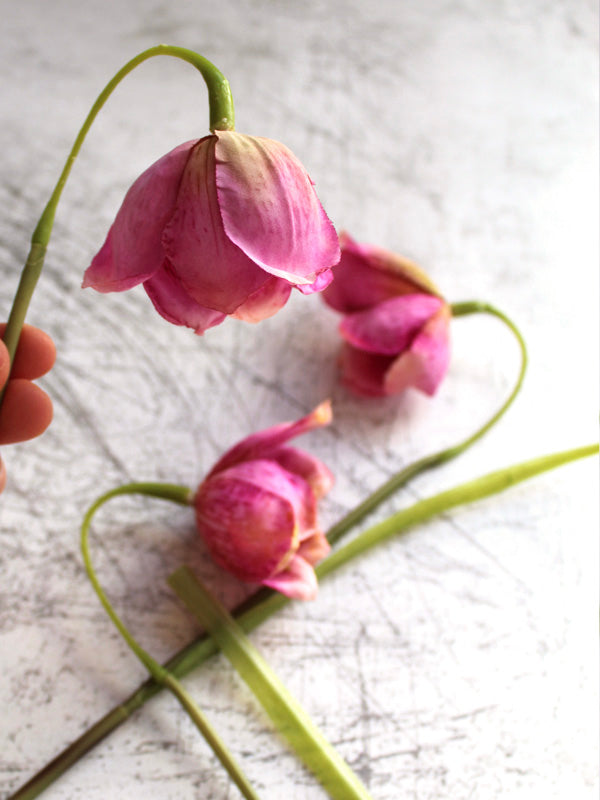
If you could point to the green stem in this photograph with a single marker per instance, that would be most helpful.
(221, 118)
(266, 602)
(402, 477)
(288, 716)
(485, 486)
(181, 495)
(210, 735)
(172, 492)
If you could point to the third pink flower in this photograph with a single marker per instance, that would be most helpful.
(395, 326)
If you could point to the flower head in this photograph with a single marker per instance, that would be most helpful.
(395, 325)
(224, 225)
(257, 509)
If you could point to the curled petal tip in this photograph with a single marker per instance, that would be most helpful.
(314, 547)
(298, 581)
(323, 414)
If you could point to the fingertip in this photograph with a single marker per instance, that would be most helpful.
(36, 353)
(45, 354)
(4, 364)
(26, 412)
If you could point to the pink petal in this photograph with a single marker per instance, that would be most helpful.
(322, 282)
(426, 363)
(297, 581)
(314, 548)
(212, 269)
(364, 373)
(248, 525)
(173, 303)
(389, 327)
(367, 275)
(265, 302)
(270, 209)
(311, 469)
(133, 251)
(260, 444)
(269, 475)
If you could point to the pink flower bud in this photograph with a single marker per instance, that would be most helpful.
(257, 509)
(396, 325)
(225, 225)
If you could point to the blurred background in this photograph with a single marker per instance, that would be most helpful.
(460, 661)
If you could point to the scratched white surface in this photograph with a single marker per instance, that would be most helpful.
(459, 661)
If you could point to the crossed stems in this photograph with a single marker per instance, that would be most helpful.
(266, 602)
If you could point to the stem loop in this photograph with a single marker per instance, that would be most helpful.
(263, 605)
(162, 676)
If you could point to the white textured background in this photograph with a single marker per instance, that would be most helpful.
(460, 661)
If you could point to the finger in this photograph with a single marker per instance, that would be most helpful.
(4, 364)
(26, 412)
(35, 354)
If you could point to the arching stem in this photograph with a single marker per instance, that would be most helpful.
(181, 495)
(221, 118)
(267, 602)
(436, 459)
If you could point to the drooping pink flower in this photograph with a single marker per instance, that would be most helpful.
(395, 325)
(257, 509)
(224, 225)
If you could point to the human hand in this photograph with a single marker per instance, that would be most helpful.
(26, 409)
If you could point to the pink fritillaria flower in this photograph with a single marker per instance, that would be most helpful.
(224, 225)
(257, 509)
(395, 325)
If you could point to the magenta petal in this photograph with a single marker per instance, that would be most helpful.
(265, 302)
(389, 327)
(270, 209)
(322, 282)
(426, 363)
(212, 269)
(174, 304)
(261, 444)
(364, 373)
(311, 469)
(249, 526)
(133, 251)
(269, 476)
(297, 581)
(367, 275)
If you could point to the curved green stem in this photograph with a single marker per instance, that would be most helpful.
(436, 459)
(173, 492)
(181, 495)
(465, 493)
(221, 118)
(266, 602)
